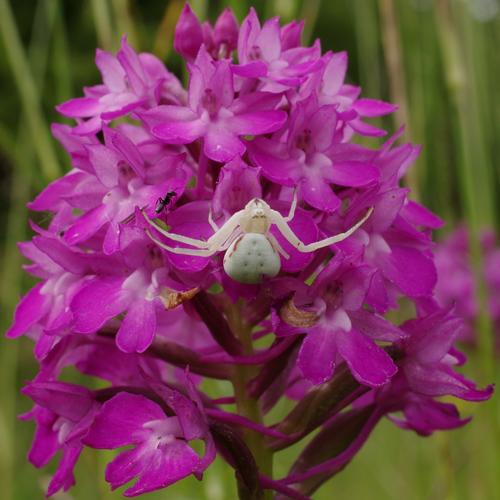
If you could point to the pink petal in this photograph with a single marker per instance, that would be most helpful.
(80, 107)
(373, 107)
(226, 29)
(49, 198)
(269, 40)
(319, 194)
(277, 167)
(127, 465)
(165, 467)
(188, 35)
(375, 327)
(138, 328)
(111, 243)
(432, 337)
(112, 73)
(105, 163)
(291, 34)
(221, 145)
(222, 84)
(132, 65)
(368, 362)
(97, 302)
(249, 30)
(87, 225)
(388, 206)
(89, 127)
(30, 310)
(441, 380)
(377, 294)
(317, 355)
(410, 270)
(119, 104)
(366, 129)
(353, 173)
(128, 149)
(119, 420)
(335, 73)
(63, 477)
(322, 125)
(355, 286)
(417, 214)
(179, 132)
(254, 69)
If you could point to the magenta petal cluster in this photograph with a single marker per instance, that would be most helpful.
(128, 294)
(161, 454)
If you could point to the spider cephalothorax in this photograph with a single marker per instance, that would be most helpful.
(252, 252)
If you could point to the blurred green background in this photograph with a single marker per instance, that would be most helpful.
(439, 60)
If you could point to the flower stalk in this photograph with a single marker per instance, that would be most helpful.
(246, 404)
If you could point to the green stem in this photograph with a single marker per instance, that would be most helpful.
(310, 13)
(397, 78)
(104, 28)
(28, 93)
(246, 405)
(124, 23)
(473, 190)
(21, 157)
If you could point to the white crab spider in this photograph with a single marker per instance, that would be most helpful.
(251, 250)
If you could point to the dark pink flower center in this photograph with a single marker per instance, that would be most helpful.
(304, 141)
(209, 102)
(255, 53)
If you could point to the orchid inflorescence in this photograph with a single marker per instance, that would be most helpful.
(458, 285)
(141, 269)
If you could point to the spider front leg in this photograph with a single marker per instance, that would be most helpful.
(173, 236)
(214, 244)
(280, 222)
(195, 252)
(211, 221)
(291, 213)
(311, 247)
(277, 246)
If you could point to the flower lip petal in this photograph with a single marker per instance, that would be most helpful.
(138, 328)
(119, 420)
(222, 145)
(317, 355)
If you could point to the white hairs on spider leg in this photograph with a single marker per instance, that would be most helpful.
(252, 252)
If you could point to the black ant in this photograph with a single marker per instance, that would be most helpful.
(163, 202)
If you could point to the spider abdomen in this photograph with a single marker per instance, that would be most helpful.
(250, 257)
